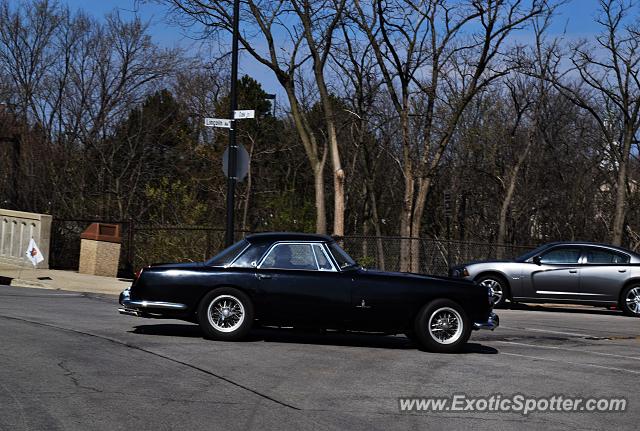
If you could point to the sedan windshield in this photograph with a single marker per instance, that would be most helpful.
(342, 258)
(227, 255)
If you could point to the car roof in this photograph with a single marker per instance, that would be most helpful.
(595, 244)
(286, 236)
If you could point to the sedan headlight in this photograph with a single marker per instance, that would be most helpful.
(460, 273)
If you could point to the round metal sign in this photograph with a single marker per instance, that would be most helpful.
(242, 162)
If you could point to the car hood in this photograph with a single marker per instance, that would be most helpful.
(477, 262)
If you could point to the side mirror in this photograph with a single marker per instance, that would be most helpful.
(537, 260)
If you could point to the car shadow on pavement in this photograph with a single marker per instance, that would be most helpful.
(300, 336)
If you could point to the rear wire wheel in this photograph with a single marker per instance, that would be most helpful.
(225, 314)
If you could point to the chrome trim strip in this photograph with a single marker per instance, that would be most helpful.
(128, 312)
(549, 292)
(153, 304)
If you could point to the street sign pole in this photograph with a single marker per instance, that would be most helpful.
(231, 181)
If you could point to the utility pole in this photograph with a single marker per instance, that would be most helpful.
(231, 166)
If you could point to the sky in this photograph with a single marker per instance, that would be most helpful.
(576, 18)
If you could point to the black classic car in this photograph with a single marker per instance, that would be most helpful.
(308, 281)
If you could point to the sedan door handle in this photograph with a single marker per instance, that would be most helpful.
(573, 271)
(263, 276)
(622, 270)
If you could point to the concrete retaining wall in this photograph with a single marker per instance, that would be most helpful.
(16, 230)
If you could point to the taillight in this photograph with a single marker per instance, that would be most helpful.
(138, 273)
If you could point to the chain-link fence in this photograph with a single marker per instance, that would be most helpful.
(436, 256)
(145, 244)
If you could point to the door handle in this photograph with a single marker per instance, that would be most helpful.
(573, 271)
(263, 276)
(622, 270)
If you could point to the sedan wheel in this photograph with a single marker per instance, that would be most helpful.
(442, 326)
(498, 287)
(631, 301)
(225, 314)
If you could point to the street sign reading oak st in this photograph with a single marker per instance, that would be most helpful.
(242, 114)
(217, 122)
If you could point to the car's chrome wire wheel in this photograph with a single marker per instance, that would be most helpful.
(226, 313)
(496, 287)
(446, 325)
(633, 300)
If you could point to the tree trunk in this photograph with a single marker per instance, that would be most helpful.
(621, 191)
(406, 211)
(508, 197)
(316, 161)
(334, 151)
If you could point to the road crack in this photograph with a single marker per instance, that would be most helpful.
(72, 376)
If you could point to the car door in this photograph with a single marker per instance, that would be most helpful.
(302, 286)
(603, 273)
(558, 275)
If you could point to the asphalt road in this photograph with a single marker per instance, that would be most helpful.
(70, 361)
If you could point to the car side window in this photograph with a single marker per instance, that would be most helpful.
(323, 263)
(600, 256)
(568, 255)
(290, 256)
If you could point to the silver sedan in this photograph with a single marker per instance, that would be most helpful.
(567, 272)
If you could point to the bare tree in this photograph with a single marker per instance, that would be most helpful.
(430, 47)
(285, 58)
(609, 89)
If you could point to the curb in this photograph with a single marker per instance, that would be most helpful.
(16, 282)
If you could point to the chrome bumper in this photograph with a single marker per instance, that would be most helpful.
(492, 323)
(139, 308)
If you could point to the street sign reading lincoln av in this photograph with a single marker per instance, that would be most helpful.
(217, 122)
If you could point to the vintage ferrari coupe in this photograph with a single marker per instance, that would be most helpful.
(308, 281)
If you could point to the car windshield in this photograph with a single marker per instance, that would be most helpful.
(227, 255)
(532, 253)
(342, 258)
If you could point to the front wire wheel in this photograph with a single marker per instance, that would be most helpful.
(442, 326)
(445, 325)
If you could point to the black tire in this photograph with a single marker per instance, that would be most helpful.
(442, 309)
(629, 293)
(497, 282)
(234, 302)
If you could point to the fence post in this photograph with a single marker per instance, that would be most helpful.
(208, 244)
(130, 249)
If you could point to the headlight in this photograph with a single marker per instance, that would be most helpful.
(460, 273)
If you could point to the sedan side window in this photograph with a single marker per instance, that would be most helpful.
(599, 256)
(561, 256)
(290, 256)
